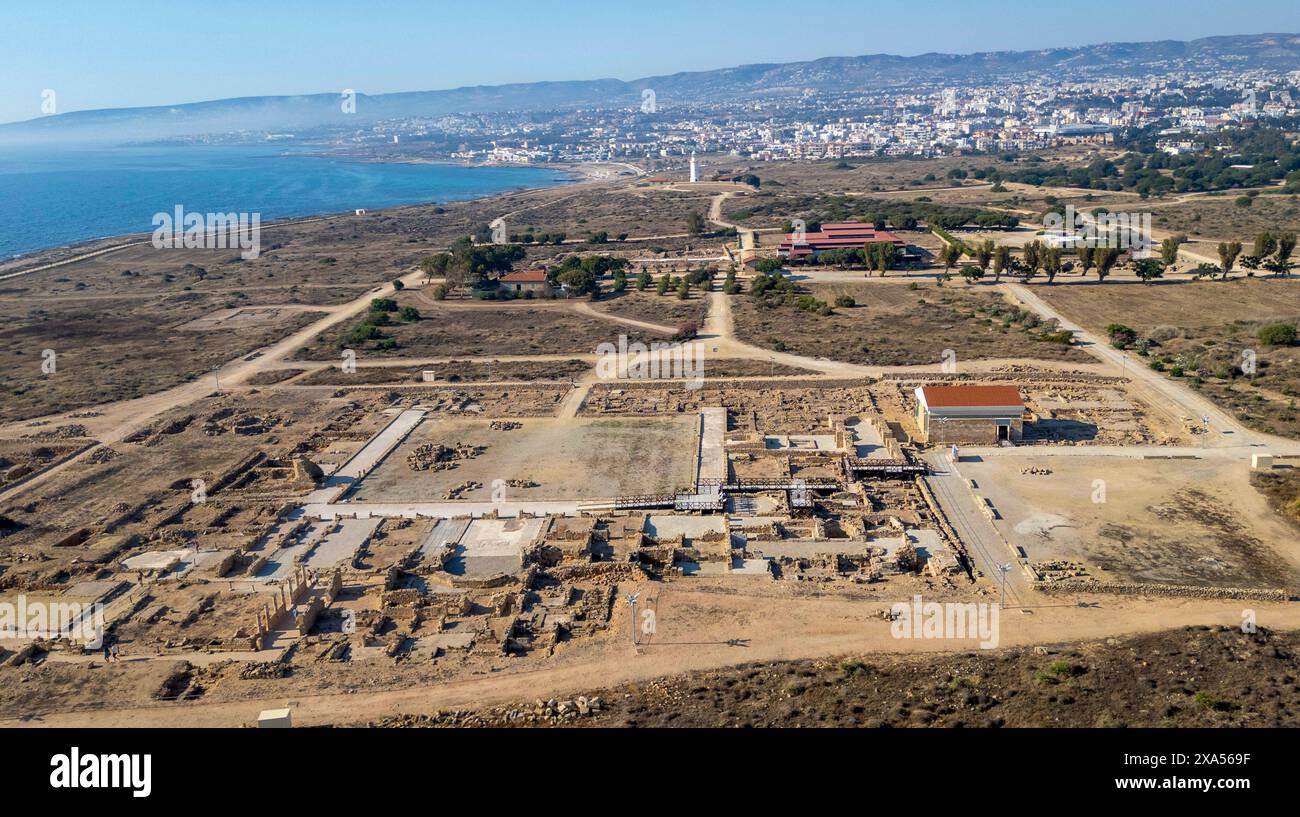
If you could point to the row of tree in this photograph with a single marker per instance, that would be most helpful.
(1272, 252)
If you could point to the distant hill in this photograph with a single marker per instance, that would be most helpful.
(827, 75)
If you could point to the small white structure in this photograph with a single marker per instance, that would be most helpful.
(429, 376)
(695, 169)
(1261, 462)
(274, 719)
(360, 211)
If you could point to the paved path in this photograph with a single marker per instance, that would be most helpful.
(985, 545)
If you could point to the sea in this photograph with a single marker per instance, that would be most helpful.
(52, 197)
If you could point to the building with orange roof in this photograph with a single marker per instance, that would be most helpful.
(970, 415)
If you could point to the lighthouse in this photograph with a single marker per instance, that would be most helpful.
(695, 170)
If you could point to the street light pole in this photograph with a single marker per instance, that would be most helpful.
(631, 603)
(1004, 569)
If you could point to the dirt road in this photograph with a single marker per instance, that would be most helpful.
(116, 421)
(1159, 391)
(699, 628)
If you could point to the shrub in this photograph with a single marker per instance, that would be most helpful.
(363, 333)
(1277, 334)
(845, 301)
(1165, 333)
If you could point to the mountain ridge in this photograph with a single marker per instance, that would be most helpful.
(834, 74)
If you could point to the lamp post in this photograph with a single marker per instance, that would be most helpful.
(631, 603)
(1004, 569)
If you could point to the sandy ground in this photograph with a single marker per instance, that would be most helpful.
(1194, 522)
(700, 625)
(567, 458)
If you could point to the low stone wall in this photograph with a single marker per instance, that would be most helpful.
(1017, 376)
(945, 527)
(1177, 590)
(609, 571)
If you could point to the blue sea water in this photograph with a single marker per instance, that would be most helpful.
(57, 196)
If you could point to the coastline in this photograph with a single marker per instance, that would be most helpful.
(45, 258)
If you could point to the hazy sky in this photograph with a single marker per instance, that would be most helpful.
(149, 52)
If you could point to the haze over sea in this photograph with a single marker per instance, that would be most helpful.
(50, 197)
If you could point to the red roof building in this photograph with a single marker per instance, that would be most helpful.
(527, 280)
(986, 415)
(840, 235)
(525, 276)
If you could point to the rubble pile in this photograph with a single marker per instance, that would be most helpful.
(101, 455)
(431, 457)
(552, 711)
(462, 489)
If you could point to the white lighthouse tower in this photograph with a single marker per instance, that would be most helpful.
(695, 170)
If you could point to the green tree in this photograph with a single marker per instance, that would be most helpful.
(949, 255)
(983, 251)
(1265, 245)
(695, 223)
(1169, 250)
(1001, 262)
(435, 266)
(886, 256)
(1148, 269)
(1285, 246)
(1107, 258)
(1032, 255)
(1051, 261)
(578, 281)
(1228, 252)
(1087, 258)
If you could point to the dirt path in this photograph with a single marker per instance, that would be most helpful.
(1159, 391)
(118, 420)
(585, 308)
(695, 626)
